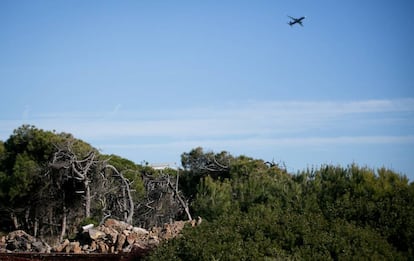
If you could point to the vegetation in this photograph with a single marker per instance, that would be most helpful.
(251, 209)
(258, 211)
(50, 183)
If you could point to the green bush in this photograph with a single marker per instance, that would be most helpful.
(331, 213)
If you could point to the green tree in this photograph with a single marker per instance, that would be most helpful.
(214, 198)
(331, 213)
(25, 173)
(198, 164)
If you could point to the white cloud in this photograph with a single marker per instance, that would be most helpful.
(267, 142)
(302, 132)
(274, 122)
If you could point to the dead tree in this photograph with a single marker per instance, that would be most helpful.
(99, 183)
(77, 169)
(180, 199)
(163, 202)
(128, 202)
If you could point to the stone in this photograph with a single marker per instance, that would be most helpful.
(62, 246)
(11, 245)
(167, 232)
(140, 231)
(113, 234)
(121, 242)
(93, 246)
(67, 249)
(75, 247)
(119, 226)
(39, 247)
(20, 234)
(102, 247)
(153, 241)
(113, 237)
(96, 234)
(131, 238)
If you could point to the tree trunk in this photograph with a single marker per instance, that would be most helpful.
(128, 208)
(36, 227)
(62, 234)
(87, 199)
(15, 221)
(183, 204)
(27, 220)
(124, 203)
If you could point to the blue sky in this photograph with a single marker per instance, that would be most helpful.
(149, 80)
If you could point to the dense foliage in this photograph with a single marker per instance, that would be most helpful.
(50, 183)
(251, 209)
(257, 211)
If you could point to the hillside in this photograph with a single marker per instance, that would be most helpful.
(51, 183)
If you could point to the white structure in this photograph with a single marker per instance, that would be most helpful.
(162, 166)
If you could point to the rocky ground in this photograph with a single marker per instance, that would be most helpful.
(112, 237)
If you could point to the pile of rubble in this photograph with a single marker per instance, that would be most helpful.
(20, 241)
(112, 237)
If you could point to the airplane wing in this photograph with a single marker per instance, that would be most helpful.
(291, 17)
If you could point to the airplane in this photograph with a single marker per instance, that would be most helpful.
(296, 20)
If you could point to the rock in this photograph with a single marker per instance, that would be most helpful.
(62, 246)
(75, 247)
(139, 246)
(18, 241)
(96, 234)
(121, 242)
(112, 237)
(155, 231)
(167, 232)
(102, 248)
(67, 249)
(153, 241)
(131, 238)
(20, 234)
(119, 226)
(77, 250)
(113, 234)
(11, 245)
(140, 231)
(93, 246)
(170, 231)
(39, 247)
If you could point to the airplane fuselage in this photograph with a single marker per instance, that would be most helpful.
(296, 20)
